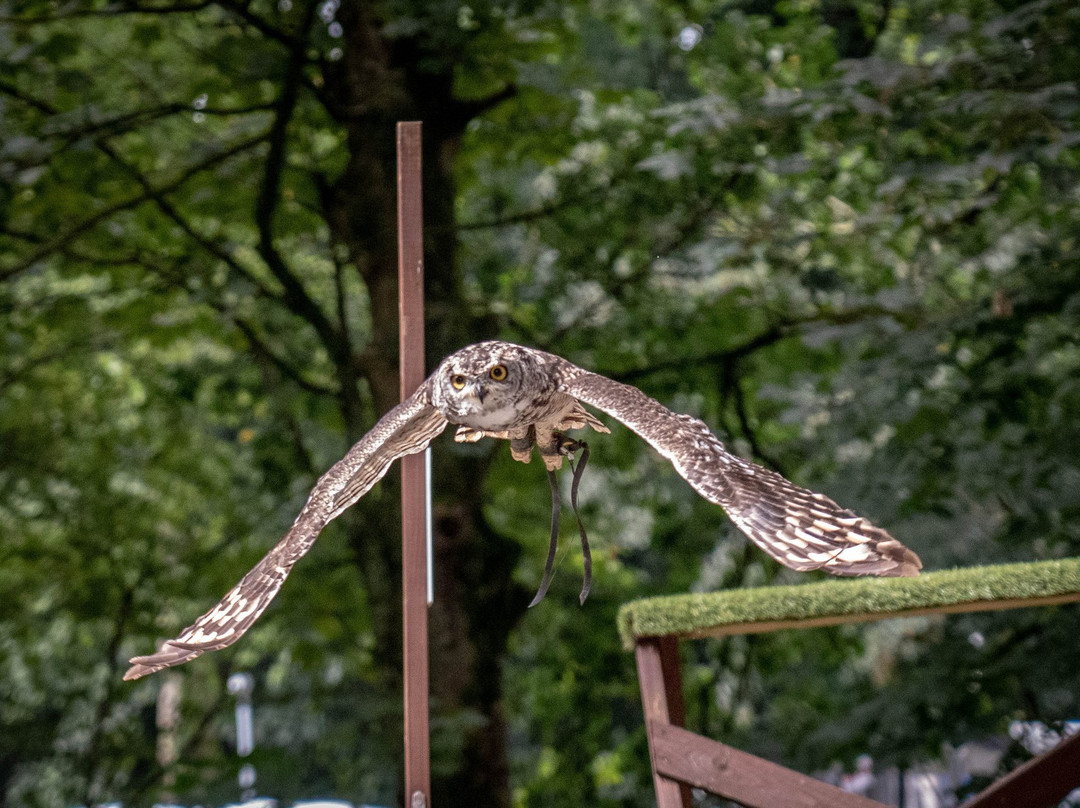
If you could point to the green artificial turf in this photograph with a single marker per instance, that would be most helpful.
(836, 601)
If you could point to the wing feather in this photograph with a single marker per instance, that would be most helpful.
(801, 529)
(406, 429)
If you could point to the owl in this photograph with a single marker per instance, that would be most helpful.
(531, 399)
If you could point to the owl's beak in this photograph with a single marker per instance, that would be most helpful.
(476, 390)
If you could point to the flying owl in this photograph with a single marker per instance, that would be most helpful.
(530, 398)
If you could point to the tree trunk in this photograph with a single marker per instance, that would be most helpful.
(376, 84)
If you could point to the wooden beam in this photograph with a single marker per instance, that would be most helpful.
(661, 696)
(683, 758)
(679, 754)
(1042, 782)
(672, 670)
(413, 472)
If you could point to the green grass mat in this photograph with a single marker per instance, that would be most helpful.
(745, 611)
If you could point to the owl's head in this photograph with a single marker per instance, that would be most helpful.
(483, 385)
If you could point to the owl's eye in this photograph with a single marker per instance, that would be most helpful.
(458, 381)
(498, 373)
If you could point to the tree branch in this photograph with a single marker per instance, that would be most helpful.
(9, 89)
(766, 338)
(243, 11)
(521, 217)
(462, 112)
(153, 774)
(259, 346)
(148, 194)
(128, 120)
(158, 197)
(155, 195)
(210, 246)
(112, 11)
(263, 349)
(734, 386)
(718, 358)
(295, 296)
(91, 758)
(65, 353)
(101, 129)
(123, 122)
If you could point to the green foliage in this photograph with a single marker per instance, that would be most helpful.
(844, 233)
(852, 251)
(117, 460)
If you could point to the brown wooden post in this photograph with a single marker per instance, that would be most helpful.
(413, 475)
(661, 696)
(681, 758)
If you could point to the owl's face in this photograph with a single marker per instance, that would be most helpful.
(483, 386)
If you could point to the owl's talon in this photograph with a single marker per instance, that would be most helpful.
(565, 446)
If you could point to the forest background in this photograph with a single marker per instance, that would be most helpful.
(843, 232)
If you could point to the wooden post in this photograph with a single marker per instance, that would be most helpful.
(413, 476)
(661, 696)
(681, 758)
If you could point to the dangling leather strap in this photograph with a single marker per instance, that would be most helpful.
(556, 505)
(586, 553)
(553, 545)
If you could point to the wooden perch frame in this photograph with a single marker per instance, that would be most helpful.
(682, 759)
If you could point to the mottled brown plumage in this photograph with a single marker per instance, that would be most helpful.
(529, 397)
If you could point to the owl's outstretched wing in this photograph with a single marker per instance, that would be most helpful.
(799, 528)
(406, 429)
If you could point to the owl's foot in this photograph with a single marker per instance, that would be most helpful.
(567, 446)
(562, 445)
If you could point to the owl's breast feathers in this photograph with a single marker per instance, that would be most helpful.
(540, 426)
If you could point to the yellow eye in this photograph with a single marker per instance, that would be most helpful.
(498, 373)
(458, 381)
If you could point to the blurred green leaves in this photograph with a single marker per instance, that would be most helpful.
(843, 233)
